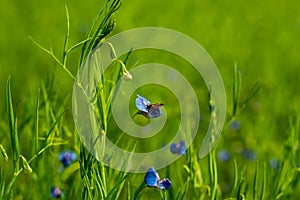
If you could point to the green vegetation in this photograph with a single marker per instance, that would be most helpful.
(254, 44)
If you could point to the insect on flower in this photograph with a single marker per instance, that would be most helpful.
(178, 148)
(152, 180)
(67, 157)
(146, 108)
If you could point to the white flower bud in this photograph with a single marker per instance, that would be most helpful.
(127, 76)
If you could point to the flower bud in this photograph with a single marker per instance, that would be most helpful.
(127, 76)
(3, 153)
(25, 165)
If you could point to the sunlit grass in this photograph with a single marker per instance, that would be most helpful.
(38, 128)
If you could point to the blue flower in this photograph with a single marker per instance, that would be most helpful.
(147, 109)
(164, 184)
(67, 157)
(178, 148)
(224, 155)
(274, 164)
(55, 193)
(249, 154)
(152, 180)
(235, 125)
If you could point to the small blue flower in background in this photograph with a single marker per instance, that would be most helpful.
(235, 125)
(274, 164)
(67, 157)
(147, 109)
(55, 193)
(224, 155)
(152, 180)
(178, 148)
(249, 154)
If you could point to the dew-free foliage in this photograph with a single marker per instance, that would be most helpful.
(256, 47)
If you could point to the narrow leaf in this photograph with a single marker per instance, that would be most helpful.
(13, 127)
(236, 88)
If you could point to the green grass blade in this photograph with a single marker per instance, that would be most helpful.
(235, 185)
(240, 194)
(103, 178)
(139, 191)
(237, 79)
(128, 191)
(89, 33)
(213, 176)
(36, 136)
(50, 52)
(13, 127)
(183, 191)
(255, 182)
(263, 185)
(77, 45)
(54, 125)
(104, 28)
(65, 51)
(115, 191)
(253, 91)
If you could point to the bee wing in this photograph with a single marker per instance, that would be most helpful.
(174, 148)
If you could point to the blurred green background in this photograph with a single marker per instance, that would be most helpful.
(262, 37)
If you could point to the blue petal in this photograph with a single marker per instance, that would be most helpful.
(174, 148)
(249, 154)
(182, 148)
(55, 192)
(164, 184)
(178, 148)
(141, 103)
(235, 125)
(224, 155)
(151, 178)
(67, 157)
(274, 164)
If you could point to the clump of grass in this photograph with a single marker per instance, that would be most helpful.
(18, 161)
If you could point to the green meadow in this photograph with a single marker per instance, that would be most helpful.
(254, 44)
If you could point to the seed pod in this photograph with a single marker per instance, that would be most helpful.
(25, 165)
(3, 152)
